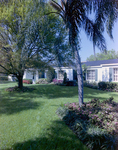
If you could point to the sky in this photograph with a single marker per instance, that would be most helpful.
(87, 46)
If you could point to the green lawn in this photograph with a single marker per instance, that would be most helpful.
(28, 120)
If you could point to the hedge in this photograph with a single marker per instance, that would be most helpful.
(3, 78)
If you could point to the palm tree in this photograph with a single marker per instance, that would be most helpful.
(75, 15)
(98, 40)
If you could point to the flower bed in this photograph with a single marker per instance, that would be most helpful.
(57, 82)
(42, 81)
(16, 89)
(95, 123)
(27, 81)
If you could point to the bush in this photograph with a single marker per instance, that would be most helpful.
(92, 85)
(71, 83)
(107, 85)
(42, 81)
(50, 75)
(57, 82)
(94, 123)
(65, 78)
(27, 81)
(3, 78)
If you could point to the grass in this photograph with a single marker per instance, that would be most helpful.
(28, 120)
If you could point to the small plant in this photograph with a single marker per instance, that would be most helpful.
(57, 82)
(42, 81)
(27, 81)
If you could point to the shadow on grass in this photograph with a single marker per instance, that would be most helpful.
(58, 137)
(90, 93)
(17, 101)
(11, 103)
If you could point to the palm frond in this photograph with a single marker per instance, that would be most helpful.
(100, 43)
(63, 3)
(56, 6)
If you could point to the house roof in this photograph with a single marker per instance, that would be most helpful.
(99, 62)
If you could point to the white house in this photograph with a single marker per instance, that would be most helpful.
(37, 74)
(102, 70)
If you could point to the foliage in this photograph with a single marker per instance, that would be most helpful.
(57, 81)
(75, 15)
(107, 86)
(4, 78)
(71, 83)
(93, 85)
(111, 54)
(27, 81)
(65, 78)
(42, 81)
(95, 123)
(50, 75)
(27, 38)
(74, 75)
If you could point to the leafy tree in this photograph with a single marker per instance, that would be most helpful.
(16, 45)
(75, 14)
(27, 37)
(111, 54)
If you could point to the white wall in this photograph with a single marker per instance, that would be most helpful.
(105, 74)
(69, 74)
(67, 70)
(10, 78)
(29, 75)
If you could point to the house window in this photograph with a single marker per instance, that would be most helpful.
(90, 74)
(115, 71)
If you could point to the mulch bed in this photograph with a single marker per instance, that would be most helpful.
(16, 89)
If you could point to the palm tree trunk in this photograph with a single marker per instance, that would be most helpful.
(79, 75)
(94, 51)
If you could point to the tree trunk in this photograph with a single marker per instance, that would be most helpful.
(79, 75)
(94, 51)
(20, 82)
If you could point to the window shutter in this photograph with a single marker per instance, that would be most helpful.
(96, 75)
(110, 74)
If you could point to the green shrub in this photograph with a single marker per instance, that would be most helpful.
(95, 123)
(107, 85)
(92, 85)
(42, 81)
(65, 78)
(74, 75)
(97, 139)
(71, 83)
(50, 75)
(3, 78)
(93, 136)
